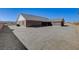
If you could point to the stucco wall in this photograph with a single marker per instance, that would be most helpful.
(21, 18)
(22, 22)
(58, 23)
(26, 22)
(33, 23)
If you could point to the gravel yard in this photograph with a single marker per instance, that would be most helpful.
(1, 26)
(48, 38)
(8, 41)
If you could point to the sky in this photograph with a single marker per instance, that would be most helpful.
(69, 14)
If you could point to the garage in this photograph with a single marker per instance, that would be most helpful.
(46, 24)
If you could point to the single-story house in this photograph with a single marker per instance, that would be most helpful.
(32, 20)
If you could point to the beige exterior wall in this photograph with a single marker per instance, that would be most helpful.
(29, 23)
(58, 23)
(22, 22)
(33, 23)
(25, 22)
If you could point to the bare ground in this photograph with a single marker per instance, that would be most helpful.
(8, 41)
(49, 38)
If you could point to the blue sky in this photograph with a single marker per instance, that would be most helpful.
(69, 14)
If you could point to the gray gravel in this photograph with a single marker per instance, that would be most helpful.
(8, 41)
(48, 38)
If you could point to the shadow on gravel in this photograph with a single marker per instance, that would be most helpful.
(8, 41)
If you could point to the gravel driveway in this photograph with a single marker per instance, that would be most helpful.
(8, 41)
(49, 38)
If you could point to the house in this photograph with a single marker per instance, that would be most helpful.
(32, 20)
(35, 21)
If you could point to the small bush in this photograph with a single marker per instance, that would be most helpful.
(18, 25)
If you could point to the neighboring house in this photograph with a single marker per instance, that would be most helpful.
(32, 20)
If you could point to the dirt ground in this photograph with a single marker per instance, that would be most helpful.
(8, 41)
(1, 26)
(49, 38)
